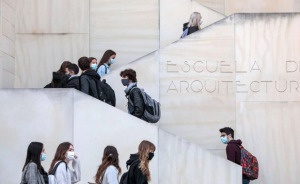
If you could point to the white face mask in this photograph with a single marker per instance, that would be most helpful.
(70, 155)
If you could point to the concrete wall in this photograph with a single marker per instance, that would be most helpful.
(235, 73)
(7, 43)
(49, 32)
(229, 7)
(54, 116)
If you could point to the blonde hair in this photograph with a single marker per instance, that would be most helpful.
(195, 20)
(144, 148)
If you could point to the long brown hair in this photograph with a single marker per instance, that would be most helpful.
(107, 54)
(63, 67)
(60, 154)
(144, 148)
(110, 157)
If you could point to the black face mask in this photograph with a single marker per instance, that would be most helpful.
(125, 82)
(150, 155)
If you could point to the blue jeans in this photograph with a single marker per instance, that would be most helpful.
(246, 181)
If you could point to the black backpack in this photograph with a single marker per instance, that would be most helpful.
(125, 176)
(109, 93)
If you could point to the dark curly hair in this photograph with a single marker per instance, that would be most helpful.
(130, 73)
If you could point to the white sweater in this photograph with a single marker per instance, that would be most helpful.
(110, 175)
(70, 175)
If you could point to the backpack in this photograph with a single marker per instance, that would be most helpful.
(51, 176)
(125, 176)
(109, 93)
(152, 107)
(249, 164)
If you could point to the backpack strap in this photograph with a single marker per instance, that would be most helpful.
(128, 96)
(56, 166)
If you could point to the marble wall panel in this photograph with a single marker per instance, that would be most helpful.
(270, 130)
(101, 125)
(52, 16)
(47, 121)
(130, 28)
(257, 6)
(267, 57)
(217, 5)
(174, 13)
(8, 29)
(39, 55)
(8, 12)
(183, 162)
(196, 85)
(11, 3)
(7, 46)
(147, 69)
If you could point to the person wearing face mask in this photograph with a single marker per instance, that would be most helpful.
(135, 104)
(139, 172)
(93, 63)
(193, 25)
(233, 150)
(33, 172)
(106, 61)
(63, 156)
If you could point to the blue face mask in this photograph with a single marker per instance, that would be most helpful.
(94, 66)
(43, 156)
(224, 139)
(111, 61)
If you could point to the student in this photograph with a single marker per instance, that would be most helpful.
(233, 150)
(64, 174)
(73, 81)
(107, 59)
(33, 172)
(193, 25)
(89, 79)
(93, 63)
(139, 172)
(109, 169)
(60, 78)
(137, 107)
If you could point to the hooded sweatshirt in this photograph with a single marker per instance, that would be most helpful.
(135, 175)
(233, 151)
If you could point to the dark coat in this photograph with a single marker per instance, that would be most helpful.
(88, 83)
(73, 82)
(191, 29)
(136, 105)
(135, 175)
(59, 80)
(233, 151)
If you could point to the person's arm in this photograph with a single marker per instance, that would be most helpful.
(138, 103)
(61, 173)
(85, 86)
(75, 172)
(31, 175)
(112, 175)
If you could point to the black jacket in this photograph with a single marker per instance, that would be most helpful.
(73, 82)
(136, 105)
(135, 175)
(59, 80)
(89, 83)
(191, 29)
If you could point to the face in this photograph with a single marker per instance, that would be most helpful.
(112, 57)
(43, 151)
(71, 148)
(94, 61)
(67, 71)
